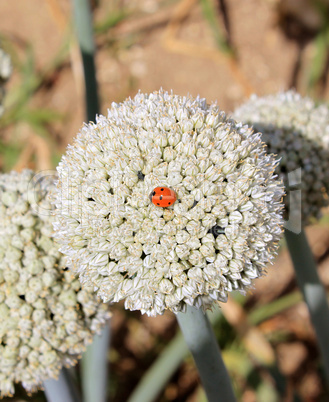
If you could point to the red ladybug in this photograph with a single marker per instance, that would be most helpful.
(163, 197)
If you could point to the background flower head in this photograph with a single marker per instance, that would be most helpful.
(46, 318)
(219, 234)
(297, 130)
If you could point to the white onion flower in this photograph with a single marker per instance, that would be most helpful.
(217, 237)
(297, 130)
(46, 318)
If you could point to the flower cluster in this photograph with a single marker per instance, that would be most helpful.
(296, 130)
(217, 237)
(46, 318)
(5, 72)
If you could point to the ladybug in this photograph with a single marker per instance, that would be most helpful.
(163, 197)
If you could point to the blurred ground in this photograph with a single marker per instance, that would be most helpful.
(179, 46)
(151, 46)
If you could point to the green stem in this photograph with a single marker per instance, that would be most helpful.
(84, 29)
(61, 389)
(94, 361)
(203, 345)
(161, 371)
(267, 311)
(94, 368)
(158, 375)
(209, 12)
(312, 289)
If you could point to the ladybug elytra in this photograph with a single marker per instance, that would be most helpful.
(163, 197)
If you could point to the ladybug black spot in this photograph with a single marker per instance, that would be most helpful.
(162, 189)
(158, 204)
(169, 203)
(161, 197)
(153, 193)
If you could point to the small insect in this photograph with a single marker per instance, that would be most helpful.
(140, 175)
(163, 197)
(216, 230)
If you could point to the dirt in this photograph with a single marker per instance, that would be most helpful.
(144, 60)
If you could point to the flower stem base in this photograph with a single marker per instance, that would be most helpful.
(312, 289)
(62, 389)
(203, 345)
